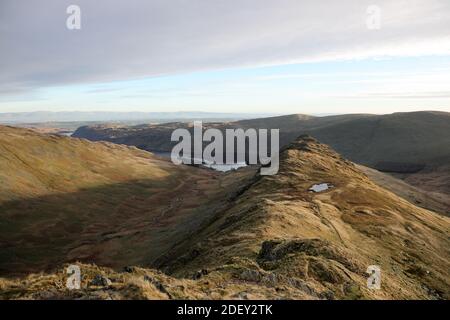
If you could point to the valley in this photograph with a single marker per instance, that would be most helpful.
(160, 231)
(206, 152)
(412, 146)
(64, 199)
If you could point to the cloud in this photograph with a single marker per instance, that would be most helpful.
(132, 39)
(402, 95)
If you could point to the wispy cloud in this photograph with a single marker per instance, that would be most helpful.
(400, 95)
(132, 39)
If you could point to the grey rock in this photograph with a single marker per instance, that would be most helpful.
(251, 275)
(101, 281)
(158, 285)
(200, 274)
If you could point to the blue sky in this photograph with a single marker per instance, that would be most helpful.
(368, 85)
(263, 56)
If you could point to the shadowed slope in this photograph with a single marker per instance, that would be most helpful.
(65, 199)
(431, 200)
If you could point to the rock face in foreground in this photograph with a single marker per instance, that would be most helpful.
(276, 239)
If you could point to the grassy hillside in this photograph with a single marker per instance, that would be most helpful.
(238, 235)
(65, 199)
(326, 239)
(391, 142)
(405, 143)
(428, 199)
(411, 138)
(36, 165)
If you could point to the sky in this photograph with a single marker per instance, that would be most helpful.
(261, 56)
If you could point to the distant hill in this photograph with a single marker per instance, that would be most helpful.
(272, 238)
(429, 199)
(99, 116)
(405, 143)
(417, 138)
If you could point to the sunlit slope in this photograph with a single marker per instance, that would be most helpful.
(326, 240)
(32, 164)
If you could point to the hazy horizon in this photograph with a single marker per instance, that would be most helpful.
(134, 117)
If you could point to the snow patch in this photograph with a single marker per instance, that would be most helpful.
(320, 187)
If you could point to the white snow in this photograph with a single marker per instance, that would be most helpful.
(320, 187)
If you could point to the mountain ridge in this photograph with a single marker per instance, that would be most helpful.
(271, 237)
(279, 214)
(416, 145)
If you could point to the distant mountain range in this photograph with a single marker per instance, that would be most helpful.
(97, 116)
(415, 145)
